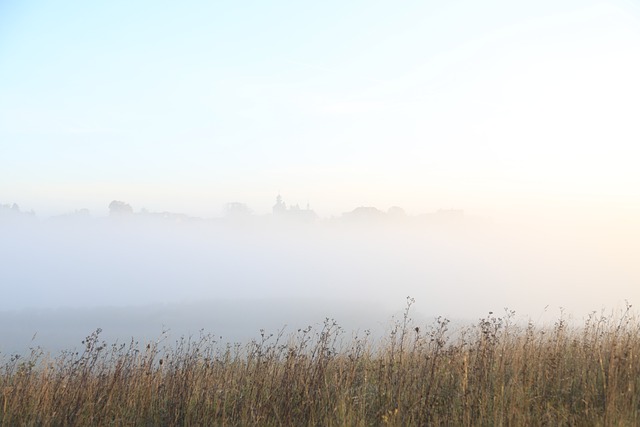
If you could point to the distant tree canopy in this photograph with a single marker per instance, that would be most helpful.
(14, 210)
(117, 207)
(236, 209)
(10, 208)
(396, 212)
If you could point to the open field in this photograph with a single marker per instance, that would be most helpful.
(495, 372)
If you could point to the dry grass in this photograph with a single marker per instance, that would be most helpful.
(493, 373)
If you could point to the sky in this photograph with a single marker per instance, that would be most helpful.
(499, 108)
(523, 114)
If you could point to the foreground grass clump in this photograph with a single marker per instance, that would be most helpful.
(495, 372)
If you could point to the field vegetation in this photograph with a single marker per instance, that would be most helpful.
(494, 372)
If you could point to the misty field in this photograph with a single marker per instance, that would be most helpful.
(495, 372)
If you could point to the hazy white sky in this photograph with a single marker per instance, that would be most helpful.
(492, 106)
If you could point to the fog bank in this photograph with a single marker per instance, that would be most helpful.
(141, 275)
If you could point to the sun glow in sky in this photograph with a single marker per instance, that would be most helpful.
(495, 107)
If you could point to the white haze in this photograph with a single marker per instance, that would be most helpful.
(63, 278)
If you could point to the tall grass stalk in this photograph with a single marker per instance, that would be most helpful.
(495, 372)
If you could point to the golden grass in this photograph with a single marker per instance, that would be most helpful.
(495, 372)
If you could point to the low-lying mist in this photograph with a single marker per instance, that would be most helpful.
(135, 276)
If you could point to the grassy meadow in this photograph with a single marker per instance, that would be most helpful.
(494, 372)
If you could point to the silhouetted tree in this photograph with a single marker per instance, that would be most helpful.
(117, 207)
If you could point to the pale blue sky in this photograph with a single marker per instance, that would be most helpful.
(489, 106)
